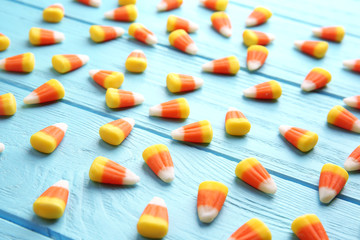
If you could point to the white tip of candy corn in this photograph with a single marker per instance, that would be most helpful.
(59, 37)
(351, 101)
(349, 64)
(2, 64)
(193, 27)
(326, 194)
(250, 22)
(167, 174)
(232, 109)
(95, 3)
(130, 178)
(158, 201)
(119, 31)
(32, 98)
(178, 134)
(226, 31)
(63, 184)
(308, 86)
(62, 126)
(317, 32)
(356, 126)
(268, 186)
(283, 129)
(84, 58)
(253, 65)
(351, 165)
(138, 98)
(2, 147)
(198, 82)
(155, 111)
(131, 121)
(162, 6)
(191, 49)
(109, 14)
(93, 72)
(298, 44)
(151, 39)
(208, 67)
(250, 92)
(207, 214)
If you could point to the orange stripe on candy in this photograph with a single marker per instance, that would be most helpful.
(121, 14)
(193, 133)
(182, 24)
(332, 181)
(46, 37)
(156, 211)
(245, 232)
(259, 16)
(255, 175)
(125, 126)
(2, 110)
(173, 111)
(56, 192)
(14, 63)
(187, 82)
(51, 93)
(309, 231)
(345, 120)
(156, 165)
(211, 198)
(171, 4)
(329, 33)
(294, 134)
(219, 67)
(264, 91)
(263, 39)
(357, 66)
(109, 33)
(257, 55)
(55, 132)
(234, 114)
(141, 34)
(182, 41)
(355, 154)
(126, 99)
(210, 4)
(309, 47)
(100, 76)
(111, 173)
(321, 80)
(74, 60)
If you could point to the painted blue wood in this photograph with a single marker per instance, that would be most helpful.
(11, 231)
(97, 211)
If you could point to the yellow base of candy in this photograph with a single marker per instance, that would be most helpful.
(4, 43)
(28, 62)
(237, 127)
(50, 208)
(115, 80)
(136, 65)
(321, 49)
(9, 104)
(43, 142)
(53, 15)
(307, 142)
(126, 2)
(152, 227)
(61, 64)
(112, 98)
(111, 134)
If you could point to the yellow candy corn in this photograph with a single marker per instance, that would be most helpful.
(332, 33)
(227, 66)
(182, 83)
(4, 42)
(117, 98)
(68, 62)
(259, 16)
(218, 5)
(20, 63)
(40, 36)
(107, 79)
(197, 132)
(302, 139)
(309, 227)
(136, 62)
(177, 108)
(126, 2)
(253, 229)
(105, 33)
(54, 13)
(7, 104)
(116, 131)
(52, 90)
(236, 123)
(49, 138)
(315, 49)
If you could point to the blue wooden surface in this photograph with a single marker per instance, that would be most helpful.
(96, 211)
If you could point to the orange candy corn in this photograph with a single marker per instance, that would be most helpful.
(252, 37)
(265, 90)
(136, 62)
(315, 49)
(316, 78)
(7, 104)
(342, 118)
(104, 170)
(197, 132)
(182, 41)
(105, 33)
(332, 180)
(175, 23)
(116, 131)
(116, 98)
(251, 230)
(154, 221)
(158, 158)
(253, 173)
(335, 34)
(256, 56)
(182, 83)
(47, 140)
(217, 5)
(52, 90)
(52, 203)
(167, 5)
(177, 108)
(107, 79)
(236, 123)
(352, 163)
(54, 13)
(92, 3)
(302, 139)
(259, 16)
(142, 34)
(19, 63)
(353, 101)
(40, 36)
(353, 65)
(309, 227)
(228, 66)
(127, 13)
(68, 62)
(210, 199)
(221, 22)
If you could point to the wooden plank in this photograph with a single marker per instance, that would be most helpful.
(11, 231)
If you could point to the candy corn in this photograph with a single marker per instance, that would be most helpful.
(52, 203)
(104, 170)
(265, 90)
(107, 79)
(20, 63)
(332, 180)
(252, 37)
(352, 163)
(253, 173)
(302, 139)
(136, 62)
(177, 108)
(127, 13)
(210, 199)
(126, 2)
(92, 3)
(256, 56)
(217, 5)
(2, 147)
(335, 34)
(68, 62)
(54, 13)
(52, 90)
(197, 132)
(4, 42)
(315, 49)
(116, 131)
(105, 33)
(47, 140)
(154, 221)
(259, 16)
(353, 101)
(228, 66)
(174, 23)
(182, 41)
(116, 98)
(308, 227)
(40, 36)
(252, 229)
(167, 5)
(142, 34)
(342, 118)
(7, 104)
(353, 65)
(182, 83)
(316, 78)
(221, 23)
(236, 123)
(158, 158)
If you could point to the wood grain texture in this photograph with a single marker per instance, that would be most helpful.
(11, 231)
(95, 210)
